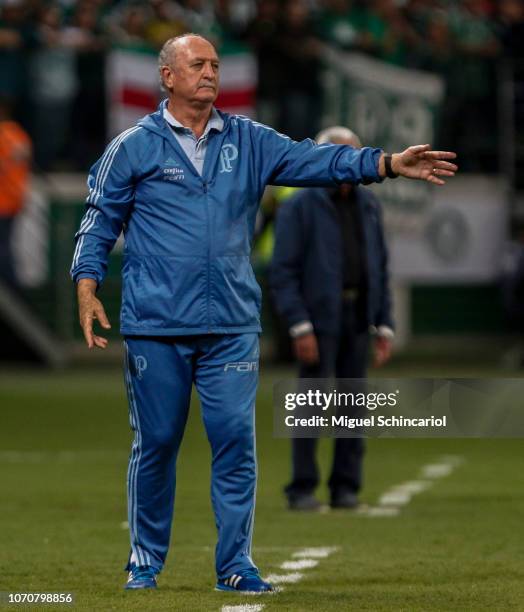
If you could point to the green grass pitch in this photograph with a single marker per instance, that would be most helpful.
(64, 441)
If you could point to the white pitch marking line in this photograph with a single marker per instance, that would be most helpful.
(243, 608)
(393, 499)
(300, 564)
(437, 470)
(304, 562)
(454, 460)
(414, 486)
(401, 494)
(124, 525)
(258, 548)
(284, 578)
(380, 511)
(319, 553)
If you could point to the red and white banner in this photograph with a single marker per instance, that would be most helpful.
(134, 90)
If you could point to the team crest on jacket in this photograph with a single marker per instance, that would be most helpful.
(228, 154)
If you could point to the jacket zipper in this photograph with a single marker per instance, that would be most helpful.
(208, 298)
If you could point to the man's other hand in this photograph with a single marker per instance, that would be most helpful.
(89, 309)
(419, 162)
(306, 349)
(382, 351)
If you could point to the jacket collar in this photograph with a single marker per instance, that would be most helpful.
(156, 122)
(215, 121)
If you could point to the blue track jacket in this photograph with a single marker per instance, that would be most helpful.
(188, 237)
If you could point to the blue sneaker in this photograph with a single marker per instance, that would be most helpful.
(245, 581)
(141, 577)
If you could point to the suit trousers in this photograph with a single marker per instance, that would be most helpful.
(344, 356)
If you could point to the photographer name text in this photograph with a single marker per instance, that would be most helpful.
(357, 423)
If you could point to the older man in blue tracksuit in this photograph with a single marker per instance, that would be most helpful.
(184, 186)
(330, 282)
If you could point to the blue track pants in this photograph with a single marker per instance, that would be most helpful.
(159, 374)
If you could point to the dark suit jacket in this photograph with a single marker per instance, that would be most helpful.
(306, 277)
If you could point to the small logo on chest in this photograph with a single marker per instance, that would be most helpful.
(172, 171)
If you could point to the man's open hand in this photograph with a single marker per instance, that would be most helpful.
(89, 309)
(419, 162)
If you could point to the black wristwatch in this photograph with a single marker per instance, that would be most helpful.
(387, 165)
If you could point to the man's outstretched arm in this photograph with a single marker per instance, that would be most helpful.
(306, 164)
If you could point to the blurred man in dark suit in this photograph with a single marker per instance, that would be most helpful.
(330, 282)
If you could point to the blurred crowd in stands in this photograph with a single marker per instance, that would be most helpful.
(52, 57)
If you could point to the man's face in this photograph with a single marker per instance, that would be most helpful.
(194, 75)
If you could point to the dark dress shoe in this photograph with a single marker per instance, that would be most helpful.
(306, 503)
(344, 499)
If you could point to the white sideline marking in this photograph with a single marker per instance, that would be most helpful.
(258, 548)
(454, 460)
(413, 486)
(437, 470)
(319, 553)
(379, 511)
(390, 502)
(284, 578)
(394, 497)
(243, 608)
(303, 559)
(298, 565)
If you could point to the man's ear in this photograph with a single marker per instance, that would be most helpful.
(168, 77)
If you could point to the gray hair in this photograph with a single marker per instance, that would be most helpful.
(167, 54)
(338, 132)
